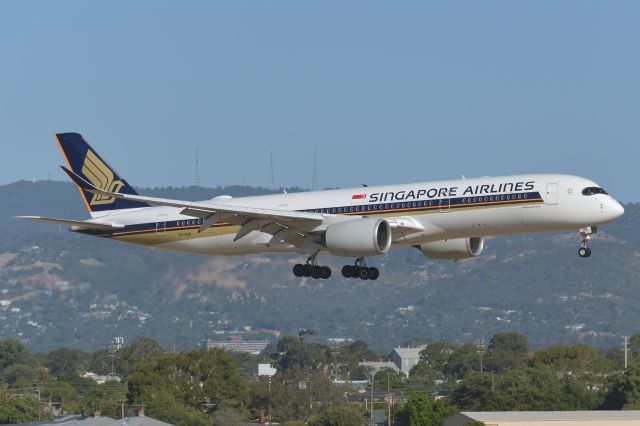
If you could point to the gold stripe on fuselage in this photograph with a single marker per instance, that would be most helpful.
(173, 234)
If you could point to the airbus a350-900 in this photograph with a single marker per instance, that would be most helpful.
(444, 220)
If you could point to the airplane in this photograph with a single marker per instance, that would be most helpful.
(444, 219)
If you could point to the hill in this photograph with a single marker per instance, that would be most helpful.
(62, 289)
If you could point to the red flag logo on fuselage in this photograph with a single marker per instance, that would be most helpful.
(359, 196)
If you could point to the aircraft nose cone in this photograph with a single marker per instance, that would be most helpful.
(616, 209)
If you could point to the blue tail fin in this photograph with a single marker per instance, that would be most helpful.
(84, 161)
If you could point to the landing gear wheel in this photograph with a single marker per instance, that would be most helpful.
(325, 272)
(298, 270)
(584, 252)
(356, 271)
(364, 273)
(316, 272)
(347, 271)
(360, 270)
(374, 273)
(307, 270)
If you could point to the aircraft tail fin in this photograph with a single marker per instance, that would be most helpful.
(85, 162)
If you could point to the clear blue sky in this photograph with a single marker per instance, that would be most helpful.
(387, 92)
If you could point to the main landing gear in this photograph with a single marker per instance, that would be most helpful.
(312, 269)
(360, 270)
(585, 233)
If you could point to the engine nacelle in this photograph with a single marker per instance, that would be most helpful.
(458, 248)
(358, 237)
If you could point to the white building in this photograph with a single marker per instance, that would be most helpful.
(376, 366)
(406, 358)
(266, 370)
(547, 418)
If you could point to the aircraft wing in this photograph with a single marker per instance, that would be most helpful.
(76, 223)
(285, 223)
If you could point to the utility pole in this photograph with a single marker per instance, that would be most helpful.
(122, 408)
(371, 418)
(39, 406)
(269, 399)
(626, 352)
(480, 352)
(493, 384)
(388, 400)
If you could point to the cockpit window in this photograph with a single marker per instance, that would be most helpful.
(593, 190)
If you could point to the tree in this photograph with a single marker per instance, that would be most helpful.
(305, 332)
(464, 359)
(142, 349)
(188, 384)
(420, 410)
(387, 376)
(19, 371)
(433, 363)
(100, 362)
(66, 364)
(475, 393)
(295, 352)
(227, 416)
(526, 389)
(623, 391)
(13, 352)
(14, 408)
(296, 394)
(338, 415)
(64, 394)
(575, 361)
(509, 341)
(507, 351)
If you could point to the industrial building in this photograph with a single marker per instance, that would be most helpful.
(253, 347)
(98, 420)
(547, 418)
(406, 358)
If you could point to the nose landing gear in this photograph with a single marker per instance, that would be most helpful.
(585, 233)
(360, 270)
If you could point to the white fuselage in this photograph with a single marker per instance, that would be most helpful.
(479, 207)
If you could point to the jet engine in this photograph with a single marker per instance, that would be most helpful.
(358, 237)
(457, 248)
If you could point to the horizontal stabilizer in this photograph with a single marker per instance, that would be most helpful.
(76, 223)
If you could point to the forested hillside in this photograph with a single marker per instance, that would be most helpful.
(62, 289)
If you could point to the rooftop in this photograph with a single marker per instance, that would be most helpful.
(485, 416)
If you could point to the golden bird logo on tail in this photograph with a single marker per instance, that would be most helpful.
(99, 174)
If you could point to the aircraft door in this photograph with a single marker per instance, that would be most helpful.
(161, 224)
(552, 194)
